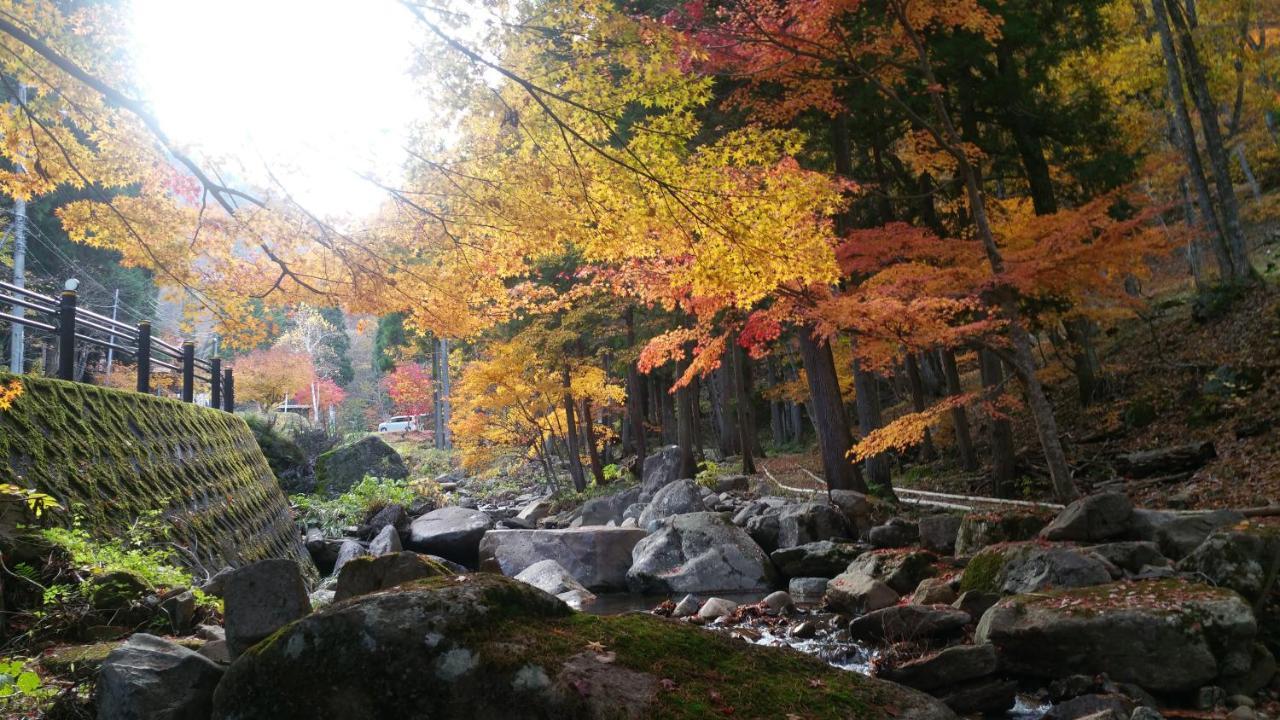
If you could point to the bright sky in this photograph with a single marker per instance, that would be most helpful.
(316, 88)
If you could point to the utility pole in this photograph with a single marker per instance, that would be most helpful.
(17, 344)
(115, 305)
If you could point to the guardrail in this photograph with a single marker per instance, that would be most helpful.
(74, 324)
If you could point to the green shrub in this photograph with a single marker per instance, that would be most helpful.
(353, 506)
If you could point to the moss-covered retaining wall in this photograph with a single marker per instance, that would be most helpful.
(110, 456)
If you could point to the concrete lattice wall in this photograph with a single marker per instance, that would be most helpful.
(109, 456)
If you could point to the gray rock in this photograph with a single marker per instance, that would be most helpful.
(387, 541)
(856, 592)
(550, 577)
(1261, 672)
(823, 558)
(599, 511)
(1145, 713)
(371, 574)
(976, 602)
(1091, 518)
(764, 529)
(810, 522)
(778, 601)
(699, 552)
(856, 509)
(935, 591)
(1131, 556)
(1210, 697)
(450, 532)
(953, 665)
(989, 696)
(896, 533)
(938, 532)
(908, 622)
(1031, 567)
(1136, 640)
(660, 469)
(769, 504)
(340, 468)
(349, 550)
(393, 515)
(677, 498)
(1235, 559)
(179, 606)
(149, 678)
(597, 557)
(535, 511)
(900, 570)
(1108, 707)
(807, 588)
(715, 608)
(732, 483)
(261, 598)
(978, 530)
(687, 606)
(1177, 535)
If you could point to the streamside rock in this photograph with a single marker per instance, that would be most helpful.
(597, 557)
(901, 570)
(978, 530)
(856, 592)
(699, 552)
(609, 508)
(150, 678)
(346, 465)
(677, 498)
(485, 646)
(1030, 567)
(896, 533)
(809, 522)
(823, 558)
(550, 577)
(1092, 518)
(951, 666)
(453, 533)
(1131, 555)
(938, 533)
(660, 469)
(387, 541)
(371, 574)
(261, 598)
(908, 622)
(1165, 636)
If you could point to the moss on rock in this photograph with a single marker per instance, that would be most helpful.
(110, 456)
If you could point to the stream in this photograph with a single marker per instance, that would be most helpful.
(826, 644)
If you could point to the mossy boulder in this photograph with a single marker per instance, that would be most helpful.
(1167, 636)
(285, 458)
(1015, 568)
(978, 530)
(484, 646)
(346, 465)
(1245, 560)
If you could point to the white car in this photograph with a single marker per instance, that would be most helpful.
(400, 423)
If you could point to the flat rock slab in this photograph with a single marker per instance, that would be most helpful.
(451, 532)
(597, 557)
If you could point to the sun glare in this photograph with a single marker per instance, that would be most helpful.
(315, 90)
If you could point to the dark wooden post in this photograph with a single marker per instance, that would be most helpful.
(67, 336)
(144, 357)
(228, 391)
(215, 383)
(188, 371)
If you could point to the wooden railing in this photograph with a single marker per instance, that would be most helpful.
(73, 324)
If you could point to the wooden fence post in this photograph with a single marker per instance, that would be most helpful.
(67, 336)
(228, 391)
(215, 383)
(188, 371)
(144, 357)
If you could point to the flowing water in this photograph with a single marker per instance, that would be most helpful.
(826, 645)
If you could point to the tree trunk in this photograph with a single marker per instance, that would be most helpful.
(1187, 139)
(727, 429)
(635, 398)
(1214, 147)
(746, 418)
(1254, 188)
(571, 435)
(959, 416)
(593, 452)
(826, 410)
(1025, 138)
(927, 453)
(684, 432)
(1080, 332)
(867, 399)
(695, 411)
(1003, 462)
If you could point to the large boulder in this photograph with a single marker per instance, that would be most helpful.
(453, 533)
(602, 510)
(956, 664)
(1244, 561)
(856, 592)
(259, 599)
(597, 557)
(150, 678)
(660, 469)
(346, 465)
(1166, 636)
(823, 558)
(810, 522)
(371, 574)
(1092, 518)
(1178, 534)
(484, 646)
(1131, 555)
(676, 498)
(978, 530)
(552, 578)
(1031, 567)
(699, 552)
(901, 570)
(938, 532)
(897, 533)
(908, 622)
(856, 509)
